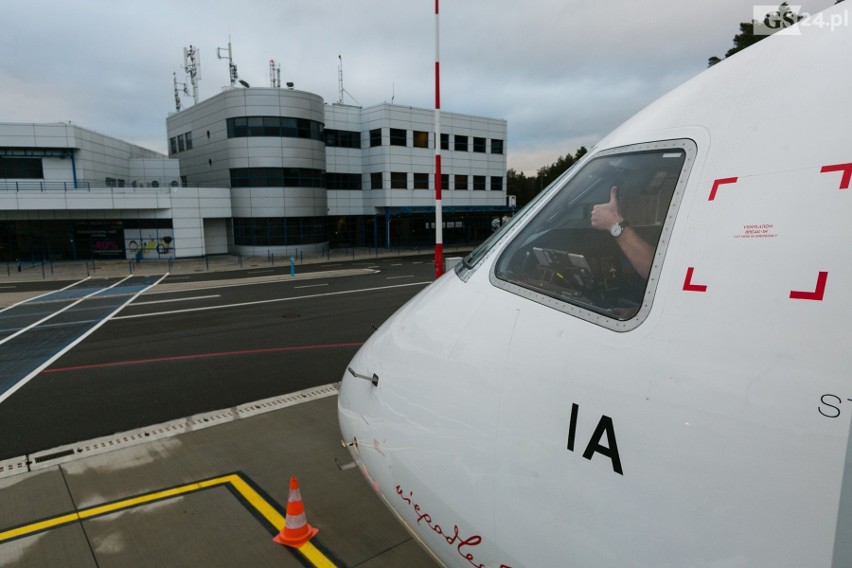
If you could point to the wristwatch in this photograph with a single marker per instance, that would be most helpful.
(617, 229)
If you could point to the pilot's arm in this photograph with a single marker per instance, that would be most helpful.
(608, 217)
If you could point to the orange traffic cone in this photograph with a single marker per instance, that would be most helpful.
(296, 531)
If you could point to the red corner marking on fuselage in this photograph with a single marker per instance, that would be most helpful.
(847, 173)
(688, 286)
(817, 294)
(716, 185)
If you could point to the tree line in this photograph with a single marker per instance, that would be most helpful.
(773, 21)
(526, 187)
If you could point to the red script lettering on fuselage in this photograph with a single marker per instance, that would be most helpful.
(462, 545)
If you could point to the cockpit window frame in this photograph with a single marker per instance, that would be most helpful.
(476, 258)
(578, 310)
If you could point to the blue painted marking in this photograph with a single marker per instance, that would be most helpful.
(22, 355)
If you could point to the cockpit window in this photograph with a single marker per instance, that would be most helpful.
(595, 249)
(469, 262)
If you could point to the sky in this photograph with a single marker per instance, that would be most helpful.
(563, 73)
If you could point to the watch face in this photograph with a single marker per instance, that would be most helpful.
(615, 230)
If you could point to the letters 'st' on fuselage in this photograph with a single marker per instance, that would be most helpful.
(649, 365)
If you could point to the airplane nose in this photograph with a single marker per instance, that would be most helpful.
(361, 425)
(355, 404)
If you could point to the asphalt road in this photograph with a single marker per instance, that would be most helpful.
(199, 343)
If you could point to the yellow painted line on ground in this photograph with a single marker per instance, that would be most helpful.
(275, 518)
(237, 482)
(260, 504)
(39, 526)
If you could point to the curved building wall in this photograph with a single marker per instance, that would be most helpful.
(252, 138)
(268, 146)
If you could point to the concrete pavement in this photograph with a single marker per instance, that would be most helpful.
(210, 496)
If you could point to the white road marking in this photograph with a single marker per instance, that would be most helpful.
(274, 300)
(57, 312)
(178, 300)
(74, 343)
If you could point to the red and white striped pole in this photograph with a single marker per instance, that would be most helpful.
(439, 231)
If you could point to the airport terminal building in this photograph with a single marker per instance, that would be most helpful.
(250, 171)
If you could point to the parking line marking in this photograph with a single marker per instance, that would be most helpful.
(239, 485)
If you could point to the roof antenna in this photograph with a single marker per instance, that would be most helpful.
(232, 68)
(274, 74)
(183, 90)
(192, 65)
(340, 88)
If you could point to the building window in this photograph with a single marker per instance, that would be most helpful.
(461, 182)
(496, 146)
(277, 177)
(479, 183)
(399, 180)
(479, 145)
(420, 139)
(375, 137)
(445, 141)
(342, 139)
(460, 143)
(279, 231)
(237, 127)
(180, 143)
(421, 181)
(274, 126)
(376, 180)
(183, 181)
(496, 183)
(398, 137)
(338, 181)
(21, 168)
(445, 182)
(256, 127)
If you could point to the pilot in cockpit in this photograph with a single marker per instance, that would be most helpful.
(607, 217)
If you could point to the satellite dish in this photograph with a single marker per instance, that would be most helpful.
(244, 84)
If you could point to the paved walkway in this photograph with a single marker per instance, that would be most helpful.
(209, 496)
(77, 270)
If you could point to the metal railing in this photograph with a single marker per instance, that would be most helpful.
(38, 185)
(70, 186)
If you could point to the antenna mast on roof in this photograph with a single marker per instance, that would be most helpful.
(340, 88)
(191, 65)
(232, 68)
(274, 74)
(183, 89)
(340, 78)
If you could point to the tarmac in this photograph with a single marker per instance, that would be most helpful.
(46, 270)
(206, 490)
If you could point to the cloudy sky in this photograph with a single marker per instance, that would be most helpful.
(563, 73)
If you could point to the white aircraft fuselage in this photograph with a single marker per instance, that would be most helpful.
(559, 401)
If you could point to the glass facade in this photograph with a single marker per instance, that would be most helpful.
(280, 126)
(21, 168)
(279, 231)
(277, 177)
(342, 139)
